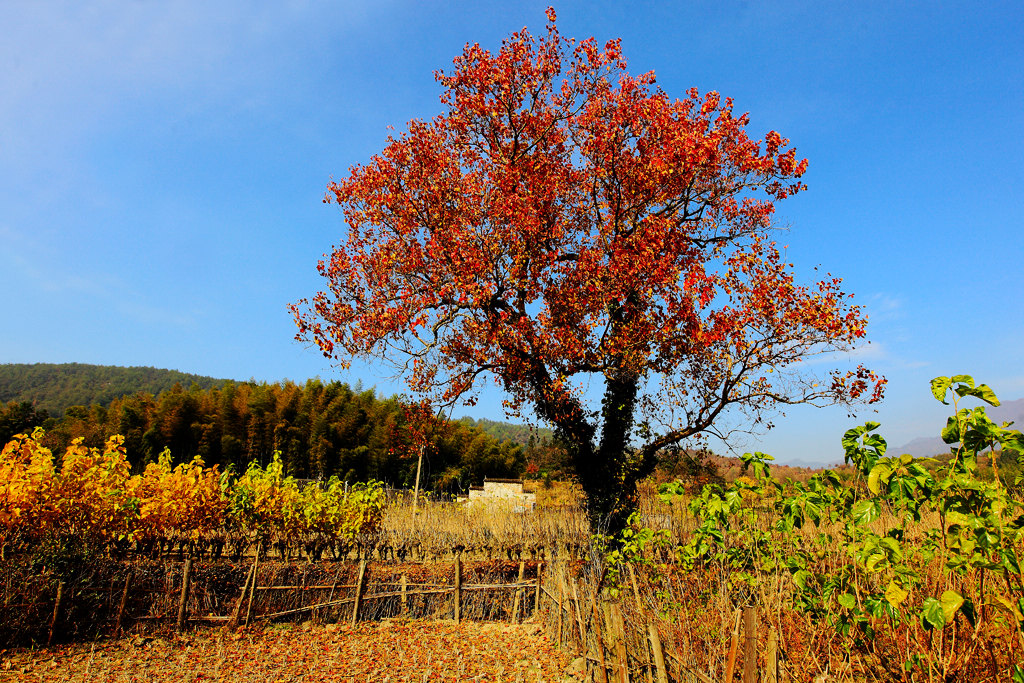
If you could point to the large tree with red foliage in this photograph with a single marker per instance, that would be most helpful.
(599, 249)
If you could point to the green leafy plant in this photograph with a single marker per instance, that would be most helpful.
(920, 551)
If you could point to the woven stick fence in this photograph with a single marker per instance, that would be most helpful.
(619, 641)
(160, 594)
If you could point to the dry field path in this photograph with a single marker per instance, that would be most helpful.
(383, 652)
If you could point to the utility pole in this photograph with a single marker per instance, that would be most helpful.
(416, 491)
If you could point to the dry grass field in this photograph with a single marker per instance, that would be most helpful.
(695, 609)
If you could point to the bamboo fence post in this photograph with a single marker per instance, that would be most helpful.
(334, 586)
(771, 674)
(300, 590)
(750, 644)
(56, 612)
(236, 616)
(405, 595)
(639, 615)
(636, 591)
(617, 631)
(730, 664)
(519, 593)
(183, 600)
(602, 661)
(357, 603)
(561, 603)
(536, 594)
(579, 616)
(661, 672)
(124, 601)
(458, 589)
(252, 589)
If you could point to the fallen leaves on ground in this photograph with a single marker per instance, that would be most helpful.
(384, 652)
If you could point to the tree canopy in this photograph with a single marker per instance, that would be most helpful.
(564, 225)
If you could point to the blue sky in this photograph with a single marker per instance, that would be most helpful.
(162, 167)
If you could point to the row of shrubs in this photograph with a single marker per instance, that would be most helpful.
(93, 497)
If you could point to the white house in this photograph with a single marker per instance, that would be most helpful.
(501, 492)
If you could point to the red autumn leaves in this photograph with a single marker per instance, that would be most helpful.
(563, 218)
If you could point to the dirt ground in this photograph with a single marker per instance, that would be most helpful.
(385, 652)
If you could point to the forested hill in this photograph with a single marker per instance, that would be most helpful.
(56, 387)
(506, 431)
(320, 429)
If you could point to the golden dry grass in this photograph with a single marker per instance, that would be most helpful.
(697, 609)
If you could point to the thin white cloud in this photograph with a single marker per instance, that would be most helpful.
(157, 316)
(32, 263)
(882, 306)
(71, 68)
(867, 351)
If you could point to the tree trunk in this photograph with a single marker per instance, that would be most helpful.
(608, 473)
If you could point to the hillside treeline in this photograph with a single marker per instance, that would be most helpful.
(53, 387)
(320, 429)
(523, 434)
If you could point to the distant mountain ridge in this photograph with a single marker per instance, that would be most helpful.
(927, 446)
(55, 387)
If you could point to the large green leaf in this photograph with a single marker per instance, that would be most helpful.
(892, 547)
(1013, 608)
(986, 394)
(878, 472)
(951, 432)
(895, 594)
(951, 602)
(801, 578)
(1010, 562)
(852, 435)
(932, 614)
(812, 510)
(939, 387)
(877, 442)
(866, 511)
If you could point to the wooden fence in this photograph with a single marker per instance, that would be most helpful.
(613, 649)
(355, 596)
(189, 592)
(616, 639)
